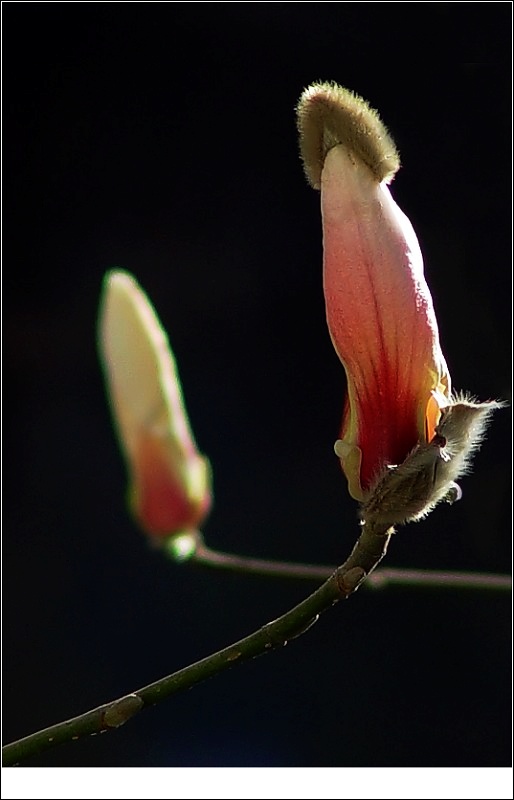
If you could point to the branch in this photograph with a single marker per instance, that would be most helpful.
(204, 556)
(380, 579)
(434, 579)
(369, 550)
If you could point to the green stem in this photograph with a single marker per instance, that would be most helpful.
(380, 579)
(434, 579)
(204, 556)
(367, 553)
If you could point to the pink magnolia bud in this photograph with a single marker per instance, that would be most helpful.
(169, 481)
(379, 308)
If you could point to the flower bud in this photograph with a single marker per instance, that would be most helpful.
(169, 481)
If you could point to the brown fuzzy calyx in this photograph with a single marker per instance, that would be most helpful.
(329, 115)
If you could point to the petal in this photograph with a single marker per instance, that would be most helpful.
(380, 317)
(160, 500)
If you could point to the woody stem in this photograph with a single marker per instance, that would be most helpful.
(367, 553)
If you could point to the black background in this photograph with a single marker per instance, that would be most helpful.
(161, 138)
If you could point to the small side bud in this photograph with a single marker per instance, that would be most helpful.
(329, 115)
(409, 491)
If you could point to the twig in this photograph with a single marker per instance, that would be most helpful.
(367, 553)
(380, 579)
(434, 579)
(204, 556)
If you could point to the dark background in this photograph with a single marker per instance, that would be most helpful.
(161, 138)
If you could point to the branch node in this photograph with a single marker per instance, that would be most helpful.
(121, 711)
(351, 580)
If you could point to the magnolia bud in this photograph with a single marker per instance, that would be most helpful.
(169, 480)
